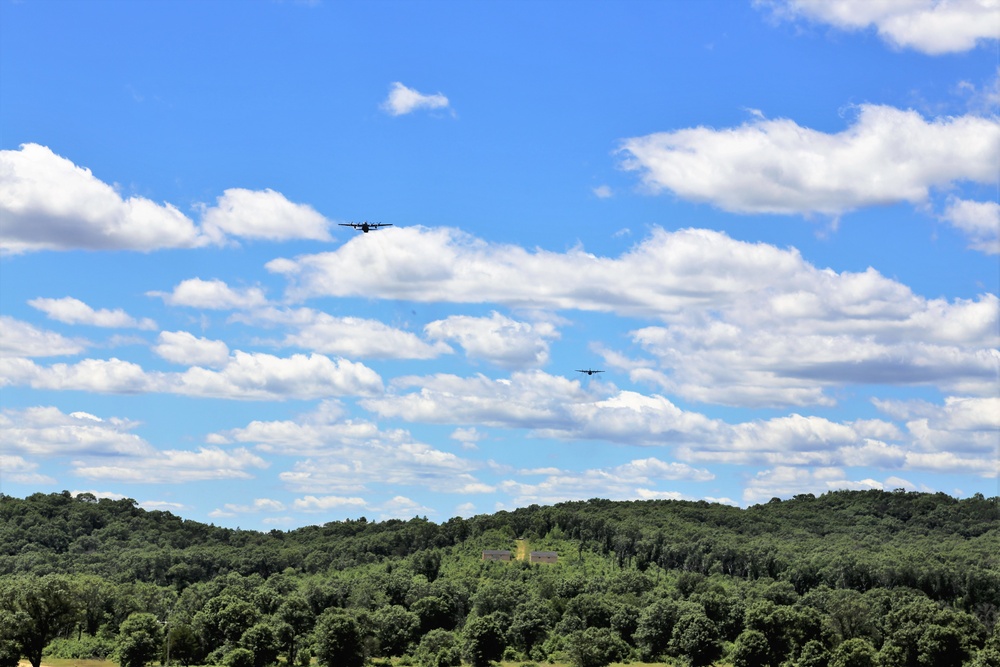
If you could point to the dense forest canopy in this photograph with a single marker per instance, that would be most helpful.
(897, 578)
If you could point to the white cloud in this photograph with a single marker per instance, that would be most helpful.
(403, 100)
(48, 203)
(468, 437)
(786, 481)
(747, 324)
(349, 455)
(498, 339)
(979, 221)
(603, 192)
(245, 376)
(258, 505)
(401, 507)
(74, 311)
(326, 503)
(776, 166)
(20, 339)
(624, 482)
(930, 26)
(181, 347)
(174, 466)
(212, 295)
(353, 337)
(21, 471)
(48, 432)
(262, 214)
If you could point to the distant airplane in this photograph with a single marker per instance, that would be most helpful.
(365, 226)
(588, 371)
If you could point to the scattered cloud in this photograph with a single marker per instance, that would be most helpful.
(403, 100)
(49, 203)
(48, 432)
(74, 311)
(624, 482)
(978, 220)
(245, 376)
(740, 323)
(262, 214)
(20, 339)
(181, 347)
(778, 166)
(933, 27)
(498, 339)
(18, 470)
(786, 481)
(212, 295)
(354, 337)
(173, 466)
(351, 455)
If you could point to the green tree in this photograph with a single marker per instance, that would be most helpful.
(595, 647)
(439, 648)
(854, 653)
(655, 628)
(43, 607)
(238, 657)
(532, 622)
(395, 629)
(751, 649)
(295, 621)
(484, 640)
(262, 642)
(813, 654)
(184, 645)
(10, 644)
(140, 638)
(696, 638)
(338, 640)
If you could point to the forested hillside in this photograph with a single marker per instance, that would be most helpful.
(847, 578)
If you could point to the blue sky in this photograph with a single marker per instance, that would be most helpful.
(772, 224)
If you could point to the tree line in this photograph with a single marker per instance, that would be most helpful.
(893, 579)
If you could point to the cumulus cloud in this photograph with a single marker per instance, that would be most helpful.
(498, 339)
(959, 436)
(401, 507)
(257, 506)
(933, 27)
(777, 166)
(47, 431)
(74, 311)
(354, 337)
(979, 221)
(49, 203)
(403, 100)
(173, 466)
(786, 481)
(211, 294)
(741, 323)
(350, 455)
(625, 482)
(20, 339)
(244, 376)
(262, 214)
(181, 347)
(18, 470)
